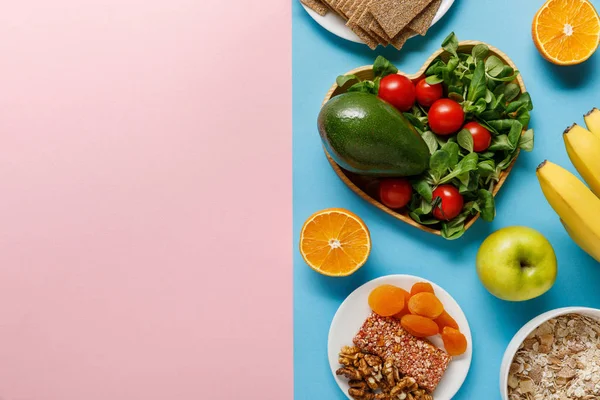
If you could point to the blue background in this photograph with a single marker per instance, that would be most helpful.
(561, 95)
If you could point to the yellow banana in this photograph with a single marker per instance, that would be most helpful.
(581, 236)
(584, 151)
(592, 121)
(574, 203)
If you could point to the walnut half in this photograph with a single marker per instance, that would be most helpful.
(371, 378)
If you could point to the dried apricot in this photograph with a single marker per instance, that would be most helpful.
(421, 287)
(454, 341)
(426, 305)
(444, 320)
(402, 313)
(419, 326)
(387, 300)
(404, 310)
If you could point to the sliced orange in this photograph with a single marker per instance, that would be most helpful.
(335, 242)
(566, 32)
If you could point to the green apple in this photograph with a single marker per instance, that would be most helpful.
(516, 264)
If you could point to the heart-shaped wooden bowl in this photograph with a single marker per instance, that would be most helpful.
(367, 187)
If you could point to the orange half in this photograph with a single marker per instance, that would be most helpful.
(566, 32)
(335, 242)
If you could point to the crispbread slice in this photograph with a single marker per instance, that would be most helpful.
(422, 22)
(400, 39)
(346, 6)
(334, 4)
(358, 8)
(362, 30)
(365, 18)
(376, 28)
(341, 8)
(316, 5)
(365, 15)
(364, 21)
(342, 5)
(395, 15)
(353, 5)
(330, 3)
(364, 36)
(338, 9)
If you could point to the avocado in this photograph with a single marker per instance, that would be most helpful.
(366, 135)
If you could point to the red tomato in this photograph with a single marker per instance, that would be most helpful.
(445, 117)
(397, 90)
(395, 193)
(452, 202)
(427, 94)
(481, 136)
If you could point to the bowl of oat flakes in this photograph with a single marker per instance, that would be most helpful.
(555, 356)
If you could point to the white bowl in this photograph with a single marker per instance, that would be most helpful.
(529, 327)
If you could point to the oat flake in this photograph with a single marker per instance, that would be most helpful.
(560, 360)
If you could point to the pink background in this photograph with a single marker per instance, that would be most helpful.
(145, 212)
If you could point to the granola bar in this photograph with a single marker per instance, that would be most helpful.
(414, 357)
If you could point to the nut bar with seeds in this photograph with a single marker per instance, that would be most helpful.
(414, 357)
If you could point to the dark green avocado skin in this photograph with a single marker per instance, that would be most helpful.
(368, 136)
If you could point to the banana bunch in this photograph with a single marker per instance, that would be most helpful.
(577, 206)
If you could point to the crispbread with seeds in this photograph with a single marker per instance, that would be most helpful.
(364, 21)
(330, 4)
(342, 6)
(364, 36)
(354, 7)
(339, 6)
(381, 39)
(400, 39)
(361, 18)
(316, 5)
(348, 7)
(422, 22)
(376, 28)
(358, 8)
(395, 15)
(339, 10)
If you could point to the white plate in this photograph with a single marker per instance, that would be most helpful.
(337, 25)
(355, 309)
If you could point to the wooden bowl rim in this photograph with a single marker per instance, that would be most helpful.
(406, 218)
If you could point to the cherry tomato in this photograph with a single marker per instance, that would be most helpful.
(395, 193)
(481, 136)
(397, 90)
(445, 117)
(427, 94)
(452, 202)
